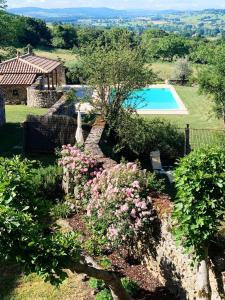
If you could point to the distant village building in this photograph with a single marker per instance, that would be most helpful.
(32, 80)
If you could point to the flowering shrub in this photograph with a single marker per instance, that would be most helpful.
(80, 169)
(120, 209)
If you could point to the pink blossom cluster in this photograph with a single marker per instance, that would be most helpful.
(79, 166)
(120, 197)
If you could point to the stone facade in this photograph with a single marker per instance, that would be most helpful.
(42, 98)
(15, 94)
(174, 267)
(2, 110)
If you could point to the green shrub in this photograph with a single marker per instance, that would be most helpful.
(47, 181)
(96, 284)
(130, 286)
(104, 295)
(200, 203)
(137, 137)
(60, 210)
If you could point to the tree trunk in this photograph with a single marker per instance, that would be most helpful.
(90, 268)
(203, 286)
(223, 117)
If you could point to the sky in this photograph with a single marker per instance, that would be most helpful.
(122, 4)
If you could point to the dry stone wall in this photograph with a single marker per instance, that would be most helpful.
(174, 267)
(42, 98)
(15, 94)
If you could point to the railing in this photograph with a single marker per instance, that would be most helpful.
(198, 138)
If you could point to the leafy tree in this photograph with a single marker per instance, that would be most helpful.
(35, 244)
(182, 70)
(211, 82)
(114, 74)
(64, 36)
(199, 206)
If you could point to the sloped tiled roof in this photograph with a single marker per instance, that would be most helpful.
(17, 79)
(28, 64)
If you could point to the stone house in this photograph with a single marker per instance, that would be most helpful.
(32, 80)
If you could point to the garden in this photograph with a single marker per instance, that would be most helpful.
(114, 226)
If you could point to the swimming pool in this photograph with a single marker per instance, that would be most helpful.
(157, 99)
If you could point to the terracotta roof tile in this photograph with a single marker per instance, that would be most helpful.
(17, 79)
(28, 64)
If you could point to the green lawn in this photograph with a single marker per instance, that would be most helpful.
(11, 134)
(62, 54)
(17, 286)
(199, 108)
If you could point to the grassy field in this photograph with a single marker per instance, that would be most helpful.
(199, 108)
(165, 70)
(59, 54)
(11, 134)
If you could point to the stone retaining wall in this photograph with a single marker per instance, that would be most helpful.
(62, 107)
(2, 110)
(92, 145)
(42, 98)
(174, 267)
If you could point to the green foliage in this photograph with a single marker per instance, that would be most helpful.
(47, 181)
(182, 70)
(211, 82)
(60, 210)
(64, 36)
(106, 70)
(16, 188)
(104, 295)
(96, 284)
(130, 286)
(200, 203)
(23, 241)
(136, 136)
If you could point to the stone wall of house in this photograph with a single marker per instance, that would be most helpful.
(61, 75)
(2, 110)
(14, 94)
(174, 267)
(42, 98)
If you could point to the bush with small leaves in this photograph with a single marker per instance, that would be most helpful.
(104, 295)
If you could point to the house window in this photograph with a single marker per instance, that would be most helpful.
(15, 93)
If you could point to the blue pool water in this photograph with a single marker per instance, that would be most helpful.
(152, 98)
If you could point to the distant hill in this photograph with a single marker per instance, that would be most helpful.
(81, 12)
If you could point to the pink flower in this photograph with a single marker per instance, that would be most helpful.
(124, 207)
(135, 184)
(133, 213)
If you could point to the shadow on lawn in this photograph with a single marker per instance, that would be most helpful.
(9, 276)
(11, 143)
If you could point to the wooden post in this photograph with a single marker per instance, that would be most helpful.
(56, 77)
(52, 80)
(187, 146)
(48, 82)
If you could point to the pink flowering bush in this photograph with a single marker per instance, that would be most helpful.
(79, 169)
(120, 209)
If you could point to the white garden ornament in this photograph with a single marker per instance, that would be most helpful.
(79, 131)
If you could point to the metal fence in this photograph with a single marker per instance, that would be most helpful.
(199, 138)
